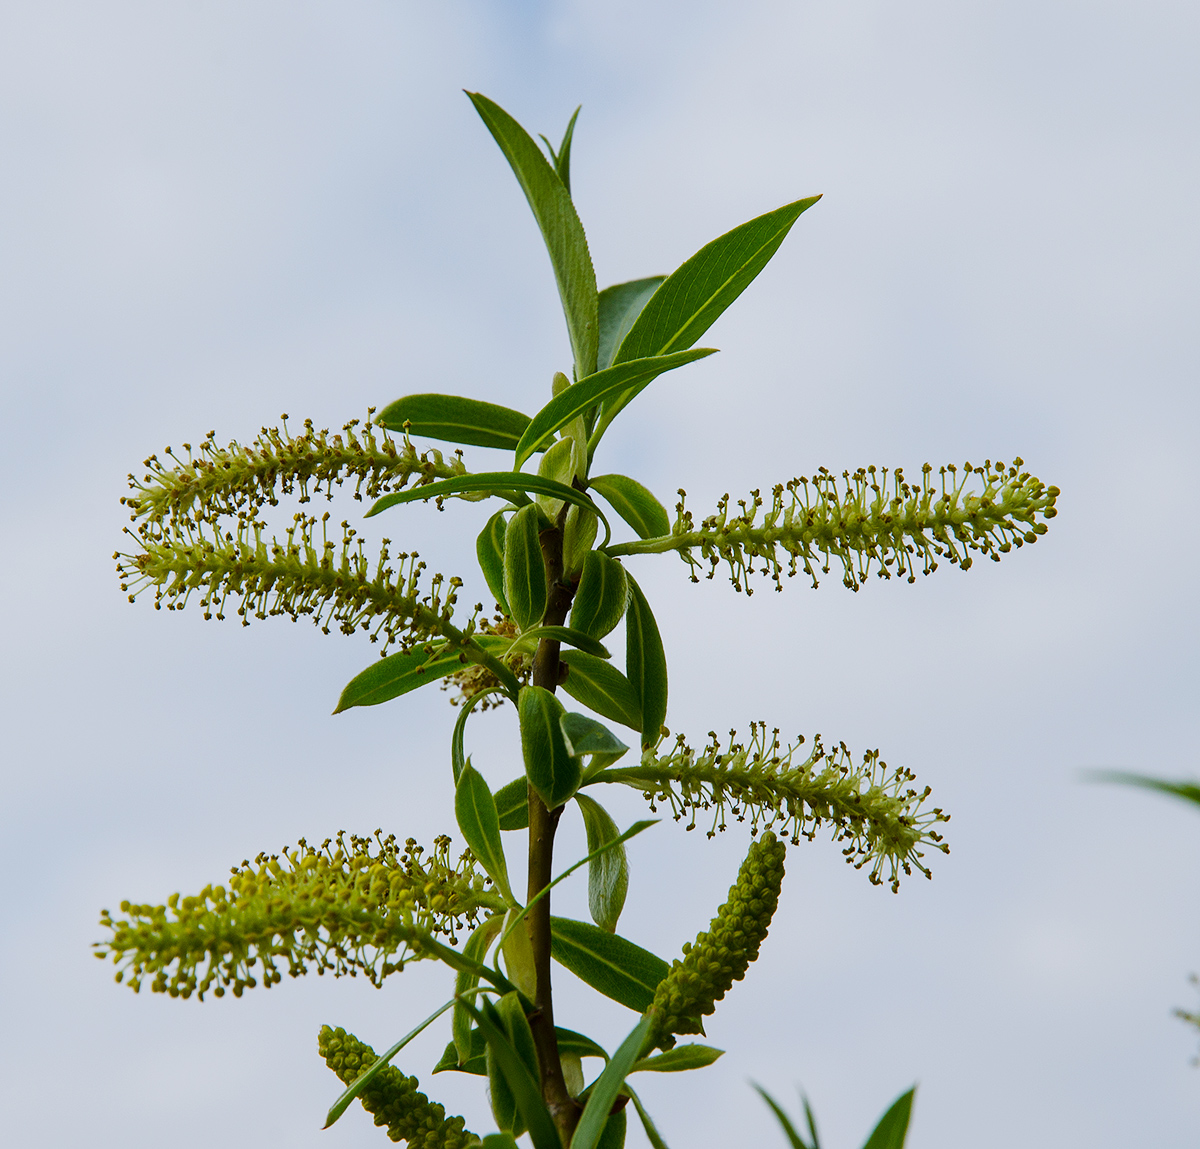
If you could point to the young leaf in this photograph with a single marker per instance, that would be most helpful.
(682, 1057)
(457, 754)
(610, 964)
(397, 674)
(577, 638)
(560, 226)
(608, 873)
(455, 420)
(604, 1092)
(518, 953)
(579, 398)
(602, 595)
(620, 305)
(475, 809)
(562, 157)
(585, 735)
(549, 766)
(465, 981)
(635, 504)
(892, 1130)
(652, 1134)
(512, 804)
(693, 296)
(558, 464)
(524, 568)
(785, 1122)
(602, 688)
(645, 664)
(570, 1043)
(489, 549)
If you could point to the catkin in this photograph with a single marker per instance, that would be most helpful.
(392, 1098)
(722, 954)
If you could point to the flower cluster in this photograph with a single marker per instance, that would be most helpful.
(392, 1098)
(357, 904)
(870, 808)
(236, 480)
(873, 521)
(722, 954)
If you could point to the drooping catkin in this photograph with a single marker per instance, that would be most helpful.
(392, 1098)
(722, 954)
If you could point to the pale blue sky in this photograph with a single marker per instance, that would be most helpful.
(213, 214)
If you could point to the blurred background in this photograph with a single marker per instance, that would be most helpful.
(212, 214)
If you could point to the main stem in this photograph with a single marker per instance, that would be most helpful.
(542, 823)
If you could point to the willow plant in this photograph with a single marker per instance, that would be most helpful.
(557, 556)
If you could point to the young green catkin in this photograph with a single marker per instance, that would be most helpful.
(722, 954)
(392, 1098)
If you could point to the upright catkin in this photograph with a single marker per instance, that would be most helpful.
(722, 954)
(391, 1098)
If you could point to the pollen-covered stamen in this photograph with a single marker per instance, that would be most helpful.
(874, 521)
(217, 481)
(871, 808)
(353, 905)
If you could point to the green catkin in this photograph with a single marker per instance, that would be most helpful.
(722, 954)
(392, 1098)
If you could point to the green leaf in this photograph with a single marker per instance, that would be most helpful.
(549, 766)
(499, 1141)
(635, 504)
(692, 297)
(613, 1135)
(892, 1130)
(569, 1042)
(602, 688)
(610, 964)
(465, 981)
(620, 305)
(510, 485)
(518, 952)
(457, 755)
(397, 674)
(524, 1086)
(577, 638)
(475, 809)
(524, 568)
(604, 1092)
(608, 873)
(1188, 791)
(585, 735)
(679, 1059)
(562, 157)
(560, 226)
(489, 550)
(794, 1138)
(512, 804)
(645, 664)
(587, 393)
(456, 420)
(363, 1080)
(602, 595)
(652, 1134)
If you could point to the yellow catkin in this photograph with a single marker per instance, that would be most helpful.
(392, 1098)
(722, 954)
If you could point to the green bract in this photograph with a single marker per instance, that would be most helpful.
(561, 581)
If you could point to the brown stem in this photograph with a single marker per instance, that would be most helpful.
(542, 823)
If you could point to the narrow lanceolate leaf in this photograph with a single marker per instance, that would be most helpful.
(489, 550)
(512, 804)
(608, 873)
(509, 485)
(516, 1027)
(570, 1043)
(620, 305)
(679, 1059)
(562, 157)
(455, 420)
(524, 568)
(693, 296)
(603, 592)
(601, 687)
(785, 1122)
(892, 1130)
(595, 389)
(607, 1086)
(565, 634)
(560, 226)
(635, 504)
(461, 1030)
(1188, 791)
(610, 964)
(475, 809)
(645, 664)
(398, 674)
(652, 1133)
(549, 766)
